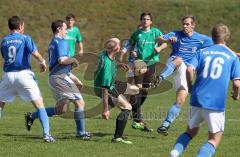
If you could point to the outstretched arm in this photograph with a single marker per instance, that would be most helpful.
(41, 61)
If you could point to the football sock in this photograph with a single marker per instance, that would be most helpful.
(80, 120)
(172, 114)
(50, 112)
(168, 70)
(207, 150)
(180, 145)
(121, 122)
(43, 118)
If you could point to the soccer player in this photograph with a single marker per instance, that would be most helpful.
(214, 66)
(146, 49)
(18, 79)
(185, 43)
(73, 36)
(64, 85)
(111, 91)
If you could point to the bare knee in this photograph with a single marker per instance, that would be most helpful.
(177, 61)
(192, 132)
(79, 103)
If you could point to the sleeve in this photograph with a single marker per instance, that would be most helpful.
(79, 36)
(195, 60)
(168, 35)
(207, 42)
(235, 70)
(30, 45)
(62, 48)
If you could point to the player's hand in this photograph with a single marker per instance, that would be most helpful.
(79, 86)
(75, 63)
(134, 54)
(234, 95)
(80, 53)
(43, 67)
(172, 39)
(157, 49)
(106, 114)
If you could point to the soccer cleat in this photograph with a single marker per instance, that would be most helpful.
(48, 138)
(121, 140)
(163, 130)
(87, 136)
(157, 80)
(28, 121)
(141, 126)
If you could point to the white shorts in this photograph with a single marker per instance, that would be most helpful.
(179, 75)
(64, 88)
(214, 119)
(22, 83)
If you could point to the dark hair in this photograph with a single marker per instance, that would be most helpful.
(220, 33)
(70, 16)
(14, 22)
(193, 18)
(145, 14)
(55, 25)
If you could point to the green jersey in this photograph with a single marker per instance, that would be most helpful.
(73, 36)
(105, 73)
(145, 43)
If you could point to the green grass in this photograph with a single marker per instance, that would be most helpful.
(99, 20)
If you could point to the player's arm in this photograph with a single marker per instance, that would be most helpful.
(236, 89)
(77, 82)
(106, 112)
(41, 61)
(80, 44)
(67, 60)
(189, 76)
(161, 47)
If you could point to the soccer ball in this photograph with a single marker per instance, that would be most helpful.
(140, 67)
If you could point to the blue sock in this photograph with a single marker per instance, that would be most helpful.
(168, 70)
(50, 112)
(79, 120)
(181, 144)
(43, 118)
(207, 150)
(172, 114)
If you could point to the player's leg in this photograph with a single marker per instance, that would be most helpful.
(181, 95)
(122, 117)
(171, 64)
(80, 120)
(215, 121)
(43, 118)
(195, 118)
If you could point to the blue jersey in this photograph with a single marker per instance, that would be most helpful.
(58, 48)
(215, 66)
(187, 46)
(16, 50)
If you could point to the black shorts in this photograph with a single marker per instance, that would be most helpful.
(146, 78)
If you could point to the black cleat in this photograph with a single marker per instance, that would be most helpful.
(157, 80)
(163, 130)
(28, 121)
(87, 136)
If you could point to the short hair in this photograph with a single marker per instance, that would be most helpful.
(70, 16)
(55, 25)
(220, 33)
(193, 18)
(14, 22)
(146, 14)
(112, 44)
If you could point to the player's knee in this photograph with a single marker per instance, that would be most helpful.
(177, 61)
(133, 90)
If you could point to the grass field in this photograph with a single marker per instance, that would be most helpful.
(99, 20)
